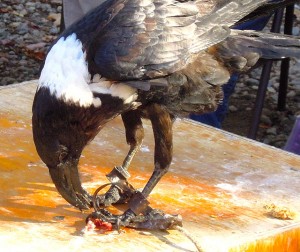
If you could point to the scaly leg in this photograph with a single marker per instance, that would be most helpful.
(134, 137)
(134, 134)
(162, 123)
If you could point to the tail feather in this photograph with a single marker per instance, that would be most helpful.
(265, 10)
(230, 13)
(269, 45)
(242, 49)
(209, 31)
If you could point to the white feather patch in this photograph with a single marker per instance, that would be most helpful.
(102, 86)
(66, 74)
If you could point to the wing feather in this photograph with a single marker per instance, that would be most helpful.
(143, 39)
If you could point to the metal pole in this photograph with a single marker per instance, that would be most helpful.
(285, 64)
(263, 83)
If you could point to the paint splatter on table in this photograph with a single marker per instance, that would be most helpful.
(219, 182)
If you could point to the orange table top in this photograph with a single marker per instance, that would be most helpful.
(219, 182)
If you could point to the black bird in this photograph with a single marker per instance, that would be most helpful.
(153, 59)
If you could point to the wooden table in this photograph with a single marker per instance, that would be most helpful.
(218, 182)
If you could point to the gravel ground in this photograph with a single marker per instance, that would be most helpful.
(26, 30)
(275, 126)
(28, 27)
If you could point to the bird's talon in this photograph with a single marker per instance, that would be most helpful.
(127, 217)
(115, 194)
(124, 220)
(138, 203)
(120, 191)
(102, 215)
(152, 219)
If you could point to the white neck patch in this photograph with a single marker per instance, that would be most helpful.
(103, 86)
(66, 74)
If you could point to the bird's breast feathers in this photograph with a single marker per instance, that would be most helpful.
(65, 74)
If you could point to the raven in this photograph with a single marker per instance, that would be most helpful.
(153, 59)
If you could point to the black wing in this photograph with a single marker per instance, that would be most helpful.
(144, 39)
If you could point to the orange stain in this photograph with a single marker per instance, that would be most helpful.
(27, 193)
(288, 241)
(28, 189)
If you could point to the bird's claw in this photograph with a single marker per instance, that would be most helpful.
(124, 219)
(120, 191)
(114, 195)
(152, 220)
(139, 215)
(138, 204)
(155, 220)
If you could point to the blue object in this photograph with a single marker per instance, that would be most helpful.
(216, 118)
(293, 142)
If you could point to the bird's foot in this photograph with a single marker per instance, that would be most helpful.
(152, 220)
(155, 219)
(138, 204)
(106, 221)
(139, 216)
(114, 195)
(120, 191)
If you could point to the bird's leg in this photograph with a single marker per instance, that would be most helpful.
(134, 134)
(120, 192)
(162, 123)
(140, 214)
(162, 128)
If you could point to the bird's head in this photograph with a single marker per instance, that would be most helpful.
(59, 138)
(60, 117)
(69, 109)
(61, 130)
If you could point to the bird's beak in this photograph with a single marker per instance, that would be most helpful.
(66, 179)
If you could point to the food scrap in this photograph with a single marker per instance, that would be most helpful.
(95, 224)
(281, 213)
